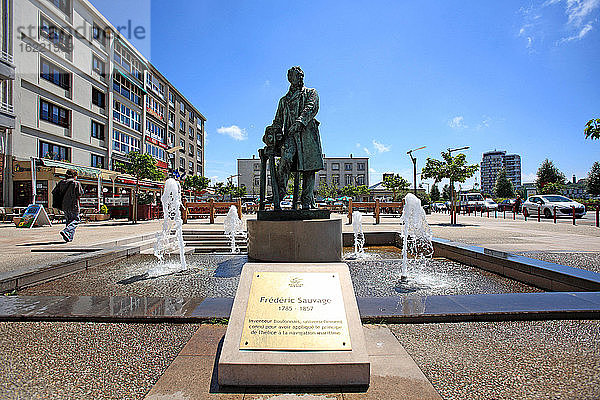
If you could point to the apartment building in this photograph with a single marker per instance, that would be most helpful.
(7, 76)
(492, 163)
(84, 94)
(338, 171)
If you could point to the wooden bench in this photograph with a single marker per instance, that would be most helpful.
(378, 209)
(209, 209)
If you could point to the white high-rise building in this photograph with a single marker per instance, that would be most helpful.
(492, 163)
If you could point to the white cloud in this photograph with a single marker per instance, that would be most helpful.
(578, 10)
(485, 123)
(380, 147)
(457, 122)
(584, 31)
(580, 17)
(234, 132)
(529, 177)
(367, 151)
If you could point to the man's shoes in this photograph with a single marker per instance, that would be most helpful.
(64, 236)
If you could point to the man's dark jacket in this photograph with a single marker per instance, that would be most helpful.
(72, 192)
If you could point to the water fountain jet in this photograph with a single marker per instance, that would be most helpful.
(416, 235)
(233, 226)
(171, 205)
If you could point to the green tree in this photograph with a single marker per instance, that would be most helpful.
(446, 192)
(454, 168)
(396, 184)
(195, 182)
(592, 129)
(327, 190)
(549, 178)
(593, 180)
(435, 193)
(238, 192)
(504, 187)
(141, 166)
(354, 191)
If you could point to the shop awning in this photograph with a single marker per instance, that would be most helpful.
(82, 171)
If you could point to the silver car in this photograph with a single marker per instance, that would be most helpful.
(547, 203)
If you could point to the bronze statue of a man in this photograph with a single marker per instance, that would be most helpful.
(301, 143)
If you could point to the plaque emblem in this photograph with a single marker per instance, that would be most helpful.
(295, 281)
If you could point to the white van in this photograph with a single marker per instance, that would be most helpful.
(472, 201)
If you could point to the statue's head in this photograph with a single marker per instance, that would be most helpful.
(295, 76)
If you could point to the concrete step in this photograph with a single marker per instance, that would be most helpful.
(213, 243)
(210, 237)
(219, 249)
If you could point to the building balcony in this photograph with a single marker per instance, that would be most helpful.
(7, 68)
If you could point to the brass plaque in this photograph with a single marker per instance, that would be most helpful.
(295, 311)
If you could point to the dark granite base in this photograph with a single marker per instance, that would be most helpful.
(292, 215)
(422, 309)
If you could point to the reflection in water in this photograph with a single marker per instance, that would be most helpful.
(230, 268)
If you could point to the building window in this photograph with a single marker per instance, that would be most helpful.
(182, 126)
(199, 168)
(97, 161)
(256, 166)
(157, 152)
(191, 132)
(99, 34)
(155, 108)
(360, 180)
(97, 130)
(54, 34)
(182, 108)
(125, 143)
(98, 98)
(63, 5)
(98, 65)
(323, 179)
(348, 167)
(348, 180)
(182, 144)
(191, 115)
(335, 179)
(191, 150)
(182, 163)
(360, 166)
(171, 98)
(191, 165)
(155, 131)
(335, 166)
(54, 114)
(56, 75)
(124, 58)
(127, 89)
(257, 181)
(54, 151)
(126, 116)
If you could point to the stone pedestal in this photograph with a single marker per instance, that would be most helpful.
(317, 240)
(274, 338)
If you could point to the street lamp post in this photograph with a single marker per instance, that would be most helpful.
(452, 212)
(414, 160)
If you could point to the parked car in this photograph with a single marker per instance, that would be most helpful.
(547, 203)
(506, 205)
(286, 204)
(439, 206)
(472, 201)
(489, 205)
(249, 207)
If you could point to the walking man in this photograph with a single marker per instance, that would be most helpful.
(518, 203)
(69, 190)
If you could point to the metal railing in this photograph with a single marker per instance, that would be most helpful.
(6, 56)
(7, 108)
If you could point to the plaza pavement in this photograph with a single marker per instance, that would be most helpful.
(22, 248)
(176, 361)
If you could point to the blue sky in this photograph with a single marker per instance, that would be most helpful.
(391, 75)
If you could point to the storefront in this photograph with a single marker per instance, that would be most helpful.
(100, 186)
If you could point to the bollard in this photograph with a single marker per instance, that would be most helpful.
(514, 214)
(488, 213)
(496, 213)
(597, 212)
(573, 209)
(554, 214)
(504, 213)
(525, 216)
(539, 213)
